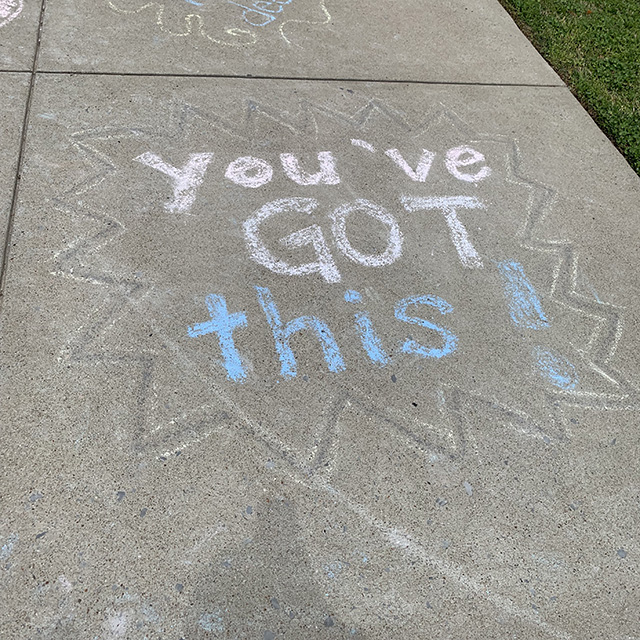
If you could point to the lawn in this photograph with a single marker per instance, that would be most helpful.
(594, 45)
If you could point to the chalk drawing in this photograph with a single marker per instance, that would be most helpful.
(259, 13)
(326, 20)
(312, 236)
(193, 24)
(326, 175)
(9, 10)
(525, 307)
(368, 336)
(420, 173)
(223, 325)
(79, 256)
(227, 23)
(185, 181)
(339, 229)
(413, 347)
(249, 172)
(448, 206)
(555, 369)
(465, 157)
(283, 332)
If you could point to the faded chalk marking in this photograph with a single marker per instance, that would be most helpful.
(420, 173)
(312, 235)
(185, 180)
(465, 157)
(9, 10)
(368, 337)
(212, 622)
(64, 583)
(282, 334)
(363, 144)
(223, 324)
(328, 173)
(450, 341)
(448, 206)
(555, 369)
(249, 172)
(339, 228)
(9, 546)
(525, 307)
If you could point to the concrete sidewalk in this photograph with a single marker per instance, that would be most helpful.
(319, 320)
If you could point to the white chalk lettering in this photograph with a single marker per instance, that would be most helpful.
(465, 157)
(422, 169)
(339, 228)
(468, 255)
(185, 180)
(249, 172)
(327, 174)
(311, 235)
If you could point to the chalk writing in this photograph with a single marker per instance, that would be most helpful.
(283, 332)
(185, 181)
(448, 206)
(368, 336)
(228, 23)
(313, 236)
(412, 346)
(223, 324)
(420, 173)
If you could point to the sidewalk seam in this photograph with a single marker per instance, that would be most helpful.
(21, 151)
(293, 78)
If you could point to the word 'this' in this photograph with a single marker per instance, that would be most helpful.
(223, 324)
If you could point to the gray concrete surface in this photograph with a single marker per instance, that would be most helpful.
(460, 461)
(19, 20)
(471, 41)
(13, 96)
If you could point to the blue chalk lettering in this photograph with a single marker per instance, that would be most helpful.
(368, 336)
(524, 305)
(556, 369)
(450, 341)
(282, 334)
(223, 324)
(352, 296)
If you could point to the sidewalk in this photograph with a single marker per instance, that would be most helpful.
(318, 320)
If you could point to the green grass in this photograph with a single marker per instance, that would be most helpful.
(594, 45)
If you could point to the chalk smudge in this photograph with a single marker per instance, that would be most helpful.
(525, 307)
(8, 547)
(212, 622)
(9, 10)
(555, 369)
(363, 144)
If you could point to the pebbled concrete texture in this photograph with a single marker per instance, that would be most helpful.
(13, 99)
(471, 41)
(19, 20)
(487, 492)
